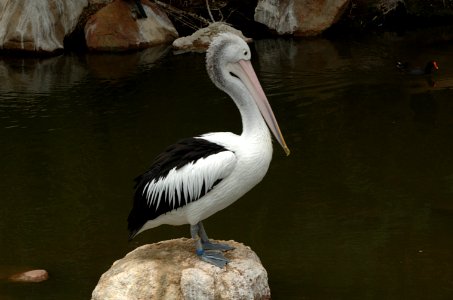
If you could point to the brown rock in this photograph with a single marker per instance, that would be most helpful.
(30, 276)
(116, 28)
(299, 17)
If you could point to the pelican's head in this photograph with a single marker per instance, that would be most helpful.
(225, 50)
(229, 67)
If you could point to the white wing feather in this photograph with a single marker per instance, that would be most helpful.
(190, 179)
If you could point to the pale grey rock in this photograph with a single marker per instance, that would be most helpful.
(171, 270)
(197, 283)
(299, 17)
(199, 41)
(31, 25)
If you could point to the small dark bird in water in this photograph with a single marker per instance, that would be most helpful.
(430, 67)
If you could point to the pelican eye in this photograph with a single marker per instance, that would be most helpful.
(234, 75)
(246, 52)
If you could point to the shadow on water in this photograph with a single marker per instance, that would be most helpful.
(362, 209)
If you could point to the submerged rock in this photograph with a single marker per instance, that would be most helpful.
(171, 270)
(40, 26)
(199, 41)
(30, 276)
(115, 27)
(301, 17)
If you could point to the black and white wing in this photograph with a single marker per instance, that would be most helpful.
(182, 174)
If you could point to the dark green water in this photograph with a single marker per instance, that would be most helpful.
(362, 209)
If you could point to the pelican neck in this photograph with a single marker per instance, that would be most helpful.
(253, 124)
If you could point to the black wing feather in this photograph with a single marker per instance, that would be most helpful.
(175, 156)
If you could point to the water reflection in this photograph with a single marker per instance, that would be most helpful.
(38, 76)
(361, 209)
(118, 66)
(41, 76)
(372, 175)
(29, 85)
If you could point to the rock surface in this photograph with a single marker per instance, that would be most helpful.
(29, 25)
(171, 270)
(299, 17)
(115, 27)
(199, 41)
(30, 276)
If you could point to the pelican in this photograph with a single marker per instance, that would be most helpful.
(199, 176)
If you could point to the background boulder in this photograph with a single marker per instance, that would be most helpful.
(40, 26)
(115, 27)
(301, 17)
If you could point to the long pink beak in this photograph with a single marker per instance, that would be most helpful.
(254, 86)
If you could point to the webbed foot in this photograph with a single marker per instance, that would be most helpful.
(213, 257)
(206, 250)
(216, 246)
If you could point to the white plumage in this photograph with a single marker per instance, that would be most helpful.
(190, 179)
(197, 177)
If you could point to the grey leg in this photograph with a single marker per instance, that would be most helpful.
(213, 257)
(207, 245)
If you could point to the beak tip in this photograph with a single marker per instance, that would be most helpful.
(287, 151)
